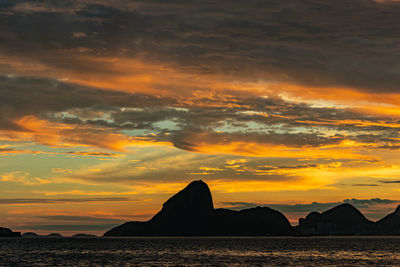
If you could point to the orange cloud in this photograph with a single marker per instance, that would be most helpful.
(63, 135)
(69, 135)
(374, 103)
(342, 150)
(59, 170)
(118, 73)
(136, 75)
(301, 184)
(21, 177)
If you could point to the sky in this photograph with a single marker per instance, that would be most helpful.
(109, 107)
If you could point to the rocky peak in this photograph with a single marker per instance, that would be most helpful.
(397, 211)
(193, 199)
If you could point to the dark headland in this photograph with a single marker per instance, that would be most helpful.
(5, 232)
(190, 212)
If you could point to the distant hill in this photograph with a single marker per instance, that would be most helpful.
(35, 235)
(344, 219)
(53, 235)
(30, 235)
(255, 221)
(391, 223)
(5, 232)
(84, 235)
(191, 213)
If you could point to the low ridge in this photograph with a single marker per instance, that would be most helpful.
(253, 222)
(344, 219)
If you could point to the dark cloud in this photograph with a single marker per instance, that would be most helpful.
(271, 168)
(6, 124)
(76, 153)
(302, 42)
(190, 140)
(267, 121)
(240, 205)
(372, 201)
(33, 96)
(6, 150)
(365, 185)
(93, 153)
(390, 181)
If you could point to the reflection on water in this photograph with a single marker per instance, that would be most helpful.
(329, 251)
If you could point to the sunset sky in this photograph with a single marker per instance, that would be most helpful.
(109, 107)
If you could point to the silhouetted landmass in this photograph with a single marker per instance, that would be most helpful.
(53, 235)
(5, 232)
(84, 235)
(344, 219)
(254, 221)
(30, 235)
(391, 223)
(191, 213)
(35, 235)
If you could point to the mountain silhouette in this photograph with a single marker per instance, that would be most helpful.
(186, 213)
(35, 235)
(391, 223)
(53, 235)
(344, 219)
(254, 221)
(5, 232)
(30, 235)
(191, 213)
(84, 235)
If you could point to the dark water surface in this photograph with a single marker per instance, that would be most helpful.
(268, 251)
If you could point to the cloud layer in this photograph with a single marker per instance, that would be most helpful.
(62, 114)
(301, 42)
